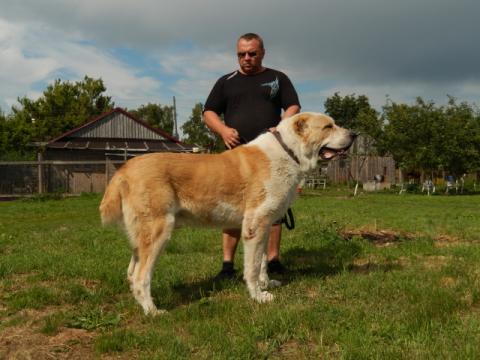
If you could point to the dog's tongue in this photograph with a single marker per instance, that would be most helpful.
(328, 154)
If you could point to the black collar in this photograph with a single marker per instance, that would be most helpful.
(285, 147)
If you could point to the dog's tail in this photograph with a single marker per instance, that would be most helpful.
(111, 211)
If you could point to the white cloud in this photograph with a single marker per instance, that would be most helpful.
(195, 70)
(373, 47)
(32, 53)
(18, 71)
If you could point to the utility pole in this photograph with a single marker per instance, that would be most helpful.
(175, 130)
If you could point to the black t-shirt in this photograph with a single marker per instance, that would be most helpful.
(252, 103)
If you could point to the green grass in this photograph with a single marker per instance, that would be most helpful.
(63, 278)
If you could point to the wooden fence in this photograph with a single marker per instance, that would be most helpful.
(42, 176)
(75, 177)
(363, 168)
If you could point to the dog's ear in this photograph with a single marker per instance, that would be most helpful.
(300, 124)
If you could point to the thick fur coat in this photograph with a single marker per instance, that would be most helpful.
(248, 187)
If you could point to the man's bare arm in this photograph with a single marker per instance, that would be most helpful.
(229, 135)
(290, 111)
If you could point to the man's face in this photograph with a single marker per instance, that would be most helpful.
(250, 56)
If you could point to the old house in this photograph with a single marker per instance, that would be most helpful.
(83, 159)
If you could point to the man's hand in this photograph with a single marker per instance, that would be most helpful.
(230, 137)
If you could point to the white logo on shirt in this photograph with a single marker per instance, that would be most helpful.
(274, 87)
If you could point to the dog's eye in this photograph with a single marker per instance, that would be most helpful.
(329, 126)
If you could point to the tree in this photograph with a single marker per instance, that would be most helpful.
(15, 136)
(62, 106)
(4, 134)
(355, 113)
(411, 134)
(196, 132)
(156, 115)
(424, 137)
(345, 110)
(461, 142)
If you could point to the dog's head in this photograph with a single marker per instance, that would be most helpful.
(315, 136)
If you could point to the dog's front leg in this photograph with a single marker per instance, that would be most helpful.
(254, 251)
(265, 281)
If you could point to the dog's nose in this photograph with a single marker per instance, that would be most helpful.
(353, 135)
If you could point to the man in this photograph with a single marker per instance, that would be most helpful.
(251, 100)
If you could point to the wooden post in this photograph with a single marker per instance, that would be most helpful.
(106, 171)
(40, 172)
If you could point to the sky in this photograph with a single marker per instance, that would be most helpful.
(148, 51)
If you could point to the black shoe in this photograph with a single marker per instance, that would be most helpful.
(227, 272)
(276, 267)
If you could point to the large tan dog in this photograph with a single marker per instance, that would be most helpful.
(250, 187)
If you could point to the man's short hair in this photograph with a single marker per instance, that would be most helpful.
(252, 36)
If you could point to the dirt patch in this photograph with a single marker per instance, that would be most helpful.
(90, 284)
(366, 266)
(447, 240)
(289, 350)
(382, 238)
(25, 341)
(378, 237)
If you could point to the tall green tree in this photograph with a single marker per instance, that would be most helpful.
(4, 135)
(15, 136)
(461, 138)
(156, 115)
(356, 113)
(411, 134)
(63, 106)
(426, 137)
(196, 132)
(352, 111)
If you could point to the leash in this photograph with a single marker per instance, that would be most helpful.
(289, 220)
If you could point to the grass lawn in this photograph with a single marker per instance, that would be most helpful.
(411, 291)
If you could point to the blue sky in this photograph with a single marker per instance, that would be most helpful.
(150, 50)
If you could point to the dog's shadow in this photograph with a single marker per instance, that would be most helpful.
(323, 262)
(327, 259)
(316, 261)
(188, 292)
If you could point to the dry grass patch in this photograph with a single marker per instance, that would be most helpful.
(26, 341)
(372, 264)
(435, 262)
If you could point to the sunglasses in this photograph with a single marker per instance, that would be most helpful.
(250, 54)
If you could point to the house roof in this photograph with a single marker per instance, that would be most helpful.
(118, 130)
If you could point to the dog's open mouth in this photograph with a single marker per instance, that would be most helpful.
(328, 153)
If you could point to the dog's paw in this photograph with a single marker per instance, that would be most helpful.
(264, 297)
